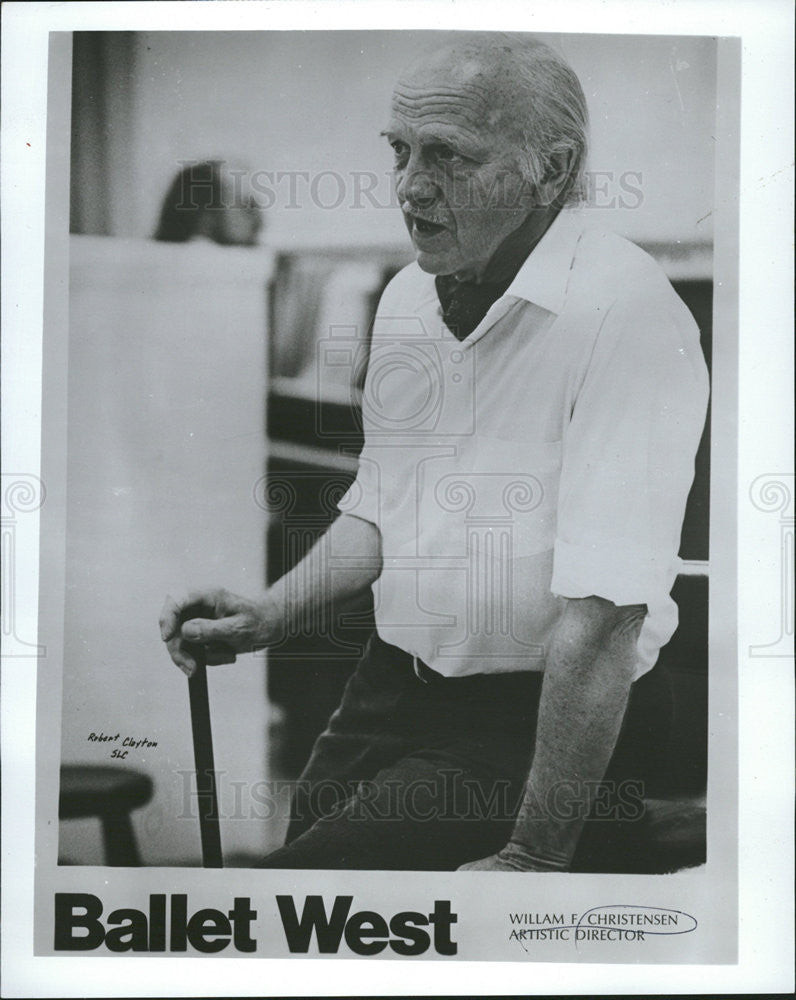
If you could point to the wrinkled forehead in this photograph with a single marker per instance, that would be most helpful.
(466, 90)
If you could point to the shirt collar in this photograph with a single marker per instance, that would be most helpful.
(543, 277)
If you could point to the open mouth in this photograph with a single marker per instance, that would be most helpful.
(426, 228)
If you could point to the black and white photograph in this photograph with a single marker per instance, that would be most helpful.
(436, 480)
(388, 494)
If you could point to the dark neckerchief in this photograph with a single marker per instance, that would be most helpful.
(465, 303)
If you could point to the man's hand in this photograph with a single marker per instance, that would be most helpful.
(587, 678)
(216, 625)
(493, 863)
(513, 858)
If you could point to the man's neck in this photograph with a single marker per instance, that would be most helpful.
(513, 251)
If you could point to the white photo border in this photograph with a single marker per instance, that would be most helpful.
(765, 389)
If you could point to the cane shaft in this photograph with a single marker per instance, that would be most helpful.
(206, 794)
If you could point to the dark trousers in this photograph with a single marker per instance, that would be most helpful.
(427, 773)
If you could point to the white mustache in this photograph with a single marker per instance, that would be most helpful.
(423, 216)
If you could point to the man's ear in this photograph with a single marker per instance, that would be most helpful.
(555, 178)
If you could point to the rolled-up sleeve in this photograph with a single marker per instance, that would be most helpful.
(362, 497)
(628, 454)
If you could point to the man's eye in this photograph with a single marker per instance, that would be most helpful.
(401, 151)
(447, 155)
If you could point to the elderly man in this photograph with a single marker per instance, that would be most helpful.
(534, 400)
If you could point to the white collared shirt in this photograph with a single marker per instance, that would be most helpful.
(548, 455)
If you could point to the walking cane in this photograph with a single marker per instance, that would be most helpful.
(206, 794)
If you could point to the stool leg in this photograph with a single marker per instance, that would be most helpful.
(121, 848)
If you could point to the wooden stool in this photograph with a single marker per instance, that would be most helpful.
(110, 794)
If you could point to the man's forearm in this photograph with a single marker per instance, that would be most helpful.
(341, 565)
(588, 675)
(215, 625)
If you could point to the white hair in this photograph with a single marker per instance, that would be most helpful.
(548, 113)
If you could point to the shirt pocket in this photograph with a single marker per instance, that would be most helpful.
(499, 492)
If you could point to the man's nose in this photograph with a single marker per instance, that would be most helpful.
(416, 188)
